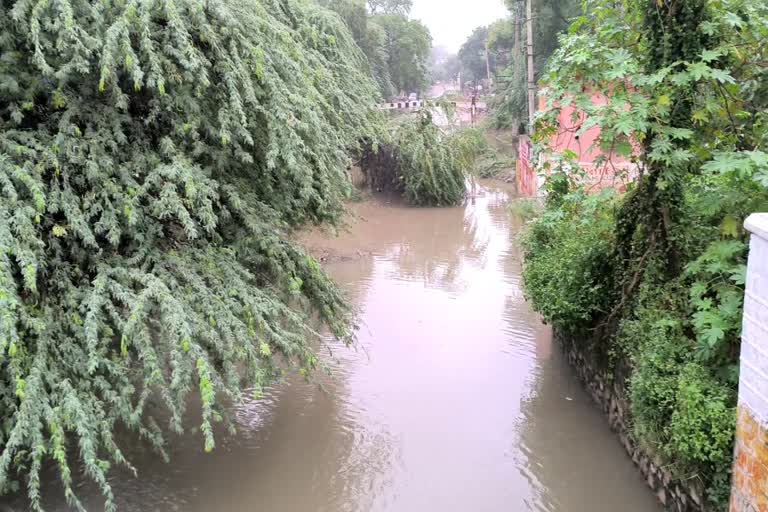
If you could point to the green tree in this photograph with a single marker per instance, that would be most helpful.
(397, 48)
(501, 43)
(370, 37)
(472, 55)
(153, 156)
(355, 15)
(550, 19)
(390, 6)
(408, 45)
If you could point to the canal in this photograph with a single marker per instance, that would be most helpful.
(454, 400)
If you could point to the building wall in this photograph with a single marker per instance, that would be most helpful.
(750, 470)
(526, 178)
(602, 169)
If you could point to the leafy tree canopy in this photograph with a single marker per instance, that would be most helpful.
(397, 48)
(370, 37)
(408, 46)
(390, 6)
(472, 54)
(551, 18)
(501, 42)
(152, 156)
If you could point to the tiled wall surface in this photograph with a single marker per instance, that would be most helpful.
(750, 470)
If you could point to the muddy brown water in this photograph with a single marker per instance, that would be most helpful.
(454, 400)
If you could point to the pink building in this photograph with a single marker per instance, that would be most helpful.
(602, 170)
(528, 181)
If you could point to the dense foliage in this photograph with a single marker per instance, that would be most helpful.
(686, 83)
(152, 156)
(569, 240)
(397, 48)
(551, 17)
(370, 37)
(473, 54)
(426, 165)
(390, 6)
(407, 44)
(501, 42)
(477, 157)
(498, 41)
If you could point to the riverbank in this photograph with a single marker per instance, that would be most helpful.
(683, 385)
(454, 397)
(607, 385)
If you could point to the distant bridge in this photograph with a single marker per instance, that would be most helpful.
(406, 104)
(461, 116)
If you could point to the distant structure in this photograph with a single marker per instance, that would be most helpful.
(402, 105)
(464, 113)
(602, 170)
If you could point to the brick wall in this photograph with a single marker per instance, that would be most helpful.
(525, 173)
(750, 470)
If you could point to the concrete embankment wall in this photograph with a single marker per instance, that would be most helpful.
(608, 383)
(608, 389)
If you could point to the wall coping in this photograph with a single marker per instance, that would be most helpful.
(757, 224)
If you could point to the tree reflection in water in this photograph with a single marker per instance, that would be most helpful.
(453, 400)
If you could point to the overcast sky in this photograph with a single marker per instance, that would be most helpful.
(452, 21)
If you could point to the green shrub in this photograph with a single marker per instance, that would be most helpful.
(660, 352)
(682, 400)
(526, 209)
(428, 165)
(701, 430)
(421, 162)
(469, 145)
(568, 261)
(432, 169)
(674, 303)
(681, 410)
(477, 157)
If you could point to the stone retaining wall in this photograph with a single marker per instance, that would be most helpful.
(750, 468)
(607, 388)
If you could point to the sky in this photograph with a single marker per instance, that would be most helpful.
(452, 21)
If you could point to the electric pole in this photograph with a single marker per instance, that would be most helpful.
(487, 65)
(517, 17)
(531, 78)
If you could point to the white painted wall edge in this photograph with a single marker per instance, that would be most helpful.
(757, 224)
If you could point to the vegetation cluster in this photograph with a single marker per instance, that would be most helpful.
(655, 277)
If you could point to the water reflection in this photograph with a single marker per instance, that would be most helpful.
(454, 399)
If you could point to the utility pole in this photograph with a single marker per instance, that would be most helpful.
(517, 22)
(487, 64)
(531, 78)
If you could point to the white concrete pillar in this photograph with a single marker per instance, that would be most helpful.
(750, 469)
